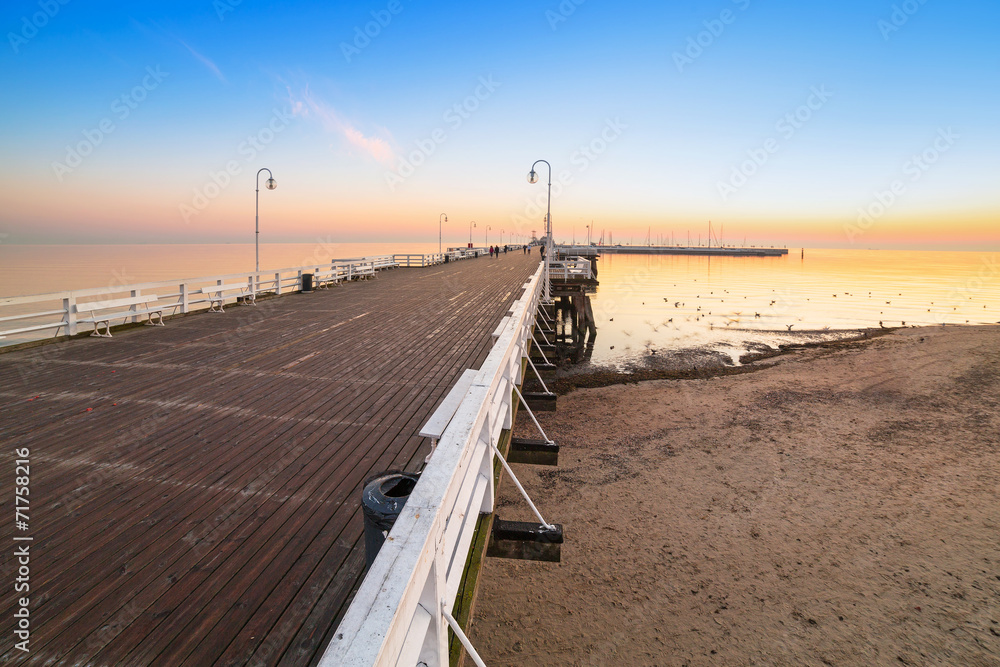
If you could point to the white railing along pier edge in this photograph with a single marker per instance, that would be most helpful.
(397, 616)
(58, 311)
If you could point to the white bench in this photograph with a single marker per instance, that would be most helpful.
(129, 304)
(337, 274)
(354, 269)
(323, 279)
(363, 270)
(383, 262)
(216, 303)
(445, 411)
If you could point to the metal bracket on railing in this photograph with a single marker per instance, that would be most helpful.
(457, 629)
(517, 483)
(540, 351)
(544, 337)
(538, 375)
(532, 415)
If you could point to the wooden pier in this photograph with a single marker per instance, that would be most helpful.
(195, 488)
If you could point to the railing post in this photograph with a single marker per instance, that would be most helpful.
(486, 468)
(134, 306)
(437, 588)
(300, 281)
(277, 284)
(508, 391)
(69, 305)
(185, 298)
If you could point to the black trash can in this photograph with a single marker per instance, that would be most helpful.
(307, 283)
(382, 500)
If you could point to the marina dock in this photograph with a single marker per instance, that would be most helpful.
(195, 489)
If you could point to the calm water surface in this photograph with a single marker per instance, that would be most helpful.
(652, 303)
(40, 269)
(645, 303)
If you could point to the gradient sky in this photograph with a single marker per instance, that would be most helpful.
(670, 127)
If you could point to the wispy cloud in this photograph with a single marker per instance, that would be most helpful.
(307, 105)
(212, 67)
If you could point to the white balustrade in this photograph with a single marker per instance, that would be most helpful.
(26, 318)
(400, 613)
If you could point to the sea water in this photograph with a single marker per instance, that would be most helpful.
(651, 304)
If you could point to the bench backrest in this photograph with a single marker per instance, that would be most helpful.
(115, 303)
(212, 289)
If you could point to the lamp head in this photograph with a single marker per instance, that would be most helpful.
(533, 176)
(271, 184)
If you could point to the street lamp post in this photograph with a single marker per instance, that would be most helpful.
(488, 228)
(471, 225)
(270, 184)
(440, 217)
(501, 237)
(533, 178)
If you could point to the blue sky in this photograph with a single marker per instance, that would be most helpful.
(648, 128)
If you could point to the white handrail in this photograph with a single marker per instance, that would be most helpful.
(37, 315)
(399, 615)
(571, 267)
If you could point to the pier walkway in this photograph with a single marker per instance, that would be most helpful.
(195, 488)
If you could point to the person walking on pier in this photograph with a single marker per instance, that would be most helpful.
(491, 252)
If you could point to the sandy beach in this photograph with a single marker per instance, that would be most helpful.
(839, 506)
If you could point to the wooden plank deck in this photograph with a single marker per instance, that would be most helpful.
(195, 489)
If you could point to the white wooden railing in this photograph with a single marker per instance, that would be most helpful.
(399, 615)
(380, 262)
(26, 318)
(418, 259)
(570, 268)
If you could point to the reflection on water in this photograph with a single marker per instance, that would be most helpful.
(654, 303)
